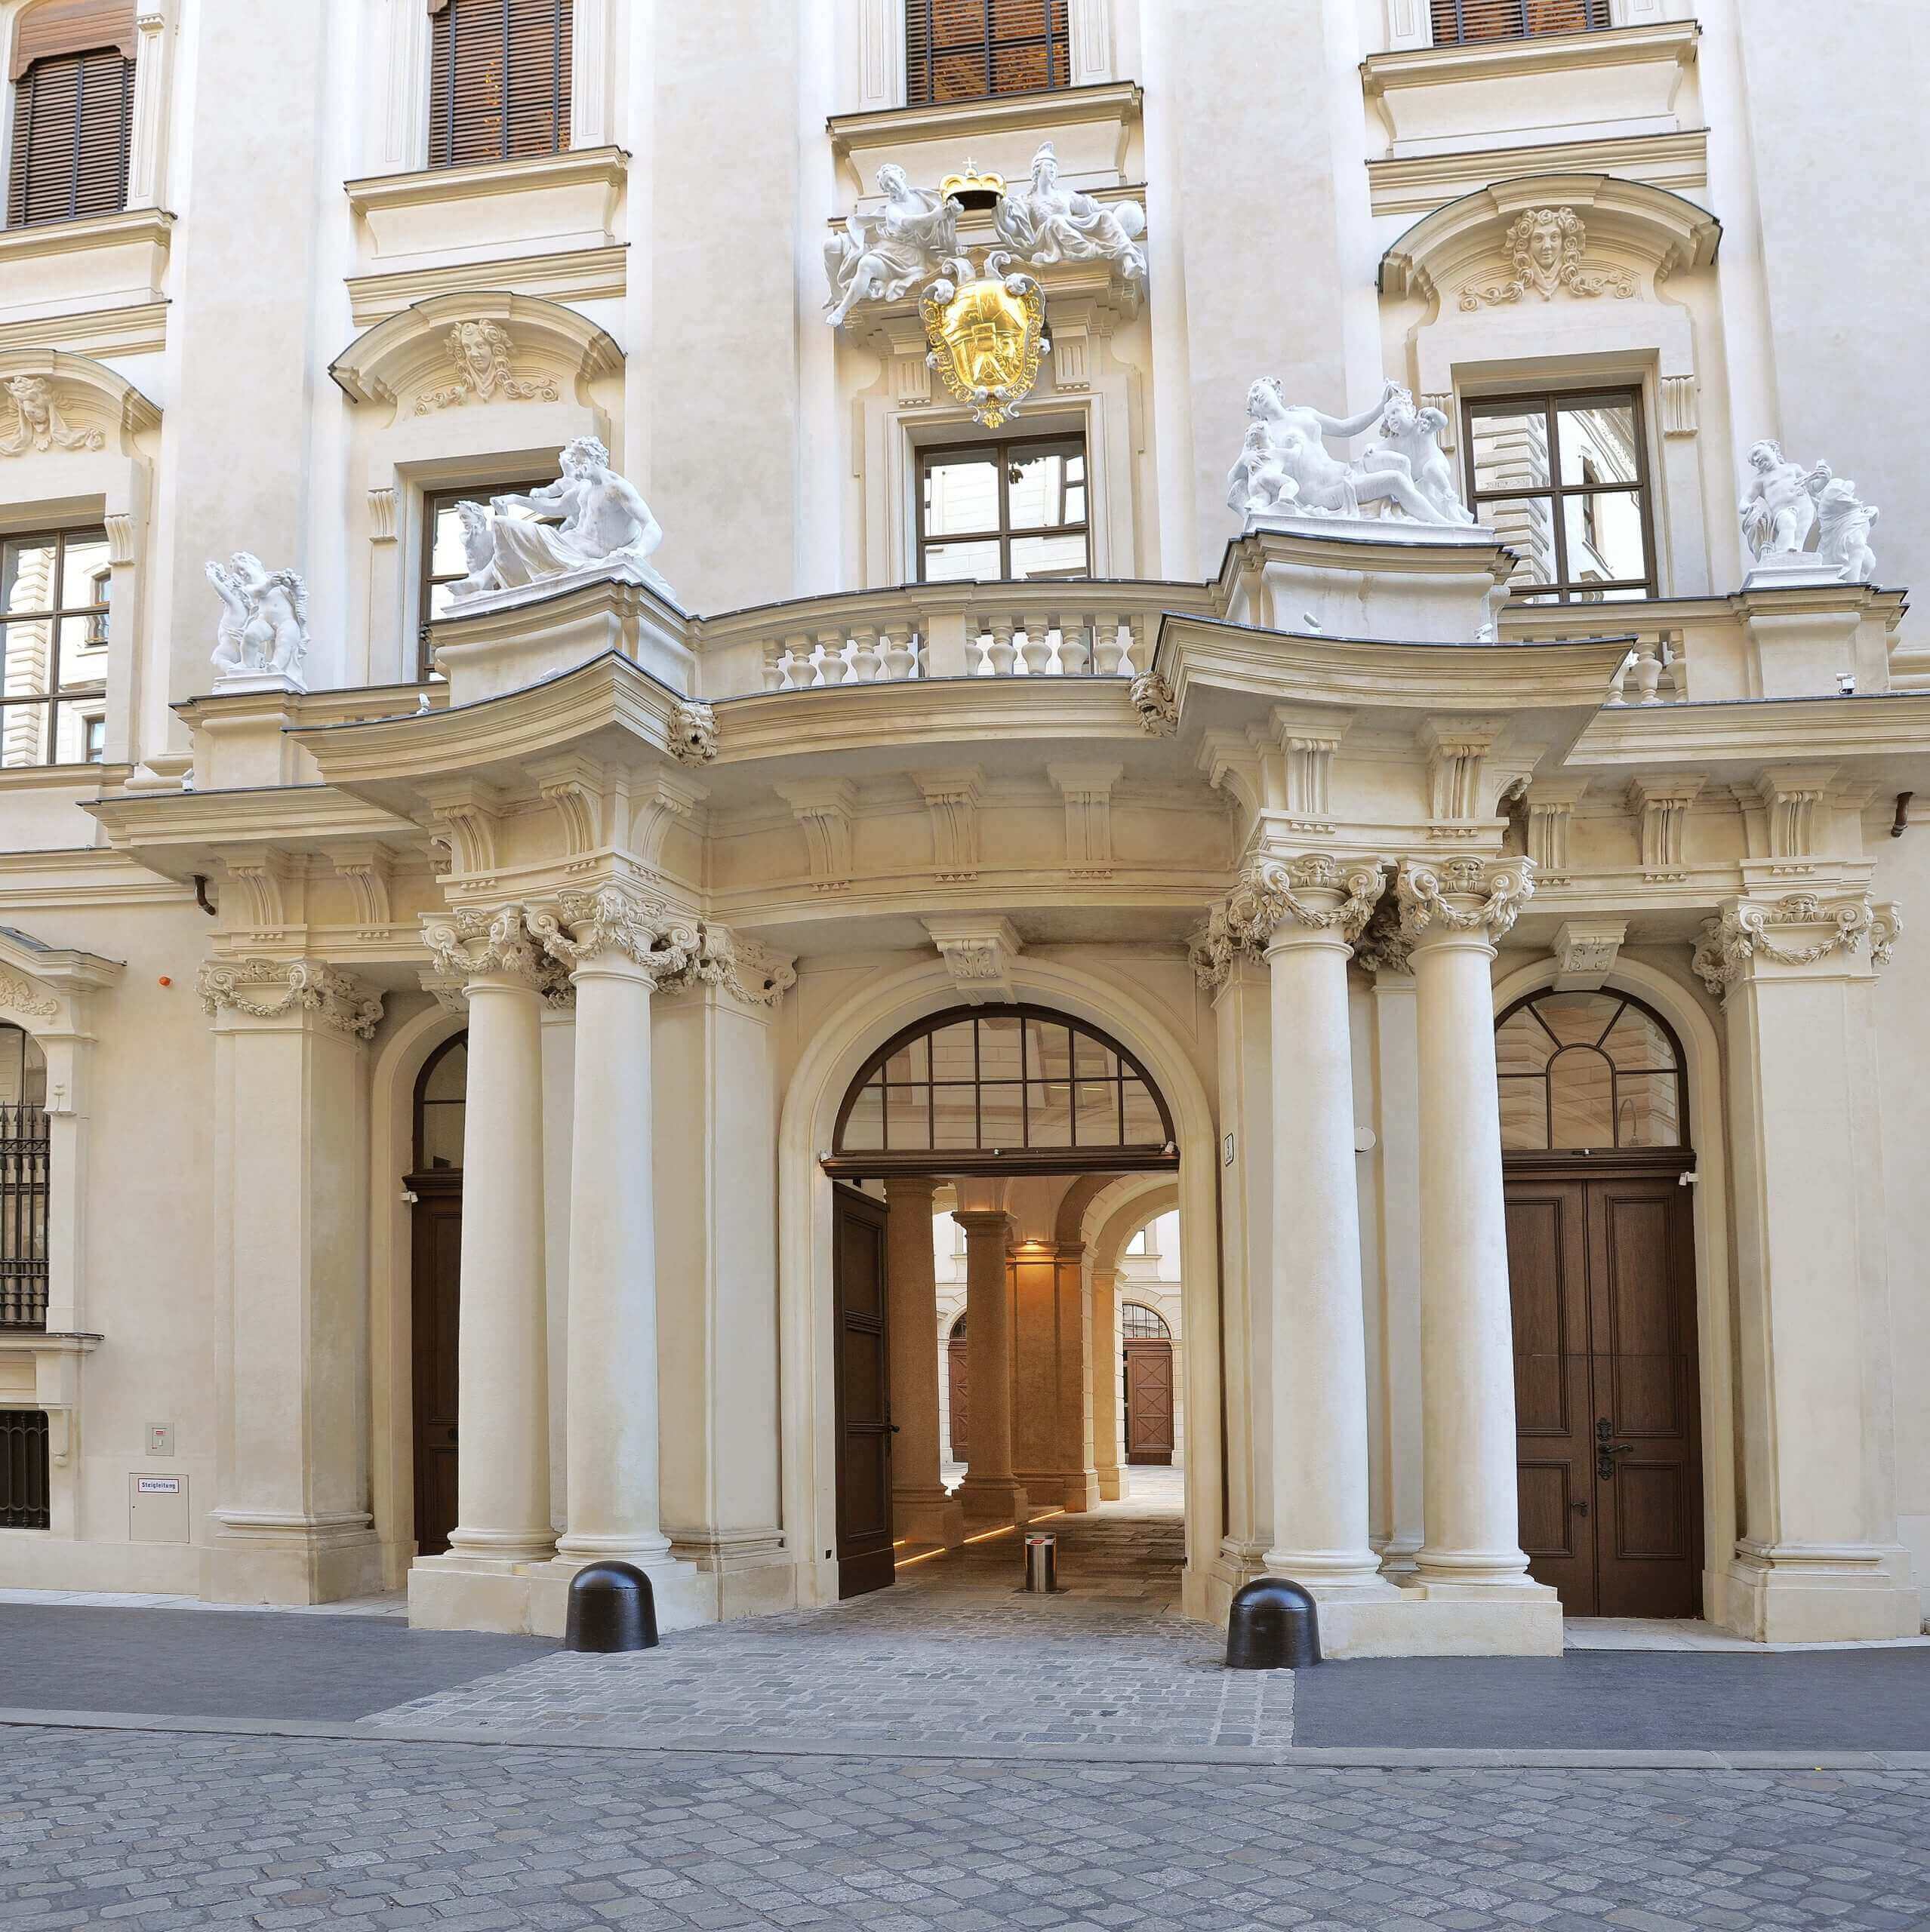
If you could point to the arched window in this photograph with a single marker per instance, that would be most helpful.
(440, 1092)
(964, 50)
(1019, 1089)
(73, 77)
(1595, 1070)
(1138, 1322)
(499, 80)
(23, 1181)
(957, 1329)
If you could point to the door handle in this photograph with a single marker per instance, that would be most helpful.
(1580, 1508)
(1605, 1459)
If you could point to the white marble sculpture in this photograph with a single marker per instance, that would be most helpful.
(883, 255)
(1778, 509)
(1284, 467)
(1044, 223)
(589, 520)
(1842, 536)
(263, 631)
(39, 425)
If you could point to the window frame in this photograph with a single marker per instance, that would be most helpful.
(55, 695)
(1054, 42)
(434, 501)
(1599, 18)
(1128, 1333)
(442, 115)
(25, 88)
(1551, 401)
(417, 1145)
(1682, 1151)
(1000, 449)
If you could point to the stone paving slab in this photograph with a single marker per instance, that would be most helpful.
(248, 1664)
(156, 1832)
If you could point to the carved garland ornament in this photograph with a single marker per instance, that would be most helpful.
(1268, 896)
(1727, 944)
(480, 351)
(739, 966)
(1427, 894)
(1545, 248)
(269, 989)
(17, 996)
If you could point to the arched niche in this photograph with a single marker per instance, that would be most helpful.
(478, 388)
(1574, 280)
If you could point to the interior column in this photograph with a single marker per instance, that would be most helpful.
(922, 1509)
(990, 1493)
(1105, 1382)
(1453, 915)
(1308, 911)
(502, 1366)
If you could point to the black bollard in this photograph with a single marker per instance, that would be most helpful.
(1272, 1625)
(611, 1608)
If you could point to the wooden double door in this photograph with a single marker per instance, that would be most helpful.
(1149, 1398)
(860, 1333)
(1602, 1276)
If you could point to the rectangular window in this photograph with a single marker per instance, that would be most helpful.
(1456, 21)
(54, 588)
(24, 1493)
(1004, 510)
(964, 50)
(442, 562)
(72, 115)
(1564, 478)
(499, 80)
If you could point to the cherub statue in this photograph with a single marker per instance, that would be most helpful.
(882, 256)
(39, 426)
(1045, 223)
(1842, 539)
(589, 516)
(264, 620)
(1778, 510)
(1258, 482)
(1412, 448)
(1292, 435)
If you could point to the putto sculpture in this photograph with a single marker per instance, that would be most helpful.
(1285, 469)
(1044, 223)
(1785, 502)
(883, 256)
(588, 521)
(263, 630)
(38, 424)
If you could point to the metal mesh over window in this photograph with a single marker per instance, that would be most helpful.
(24, 1495)
(499, 80)
(964, 50)
(23, 1177)
(1456, 21)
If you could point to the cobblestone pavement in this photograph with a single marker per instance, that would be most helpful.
(149, 1831)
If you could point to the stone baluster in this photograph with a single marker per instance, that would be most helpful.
(1107, 655)
(834, 667)
(1075, 646)
(1036, 653)
(867, 657)
(1001, 655)
(898, 658)
(795, 662)
(1129, 664)
(773, 665)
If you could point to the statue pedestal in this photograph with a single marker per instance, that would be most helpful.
(258, 684)
(1370, 577)
(1789, 570)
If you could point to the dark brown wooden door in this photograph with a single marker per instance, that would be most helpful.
(1602, 1277)
(858, 1319)
(1149, 1385)
(958, 1375)
(434, 1302)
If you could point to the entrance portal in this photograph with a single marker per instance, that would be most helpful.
(1602, 1271)
(1148, 1383)
(436, 1189)
(1012, 1106)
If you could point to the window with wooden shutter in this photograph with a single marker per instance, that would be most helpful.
(964, 50)
(73, 77)
(1458, 22)
(498, 79)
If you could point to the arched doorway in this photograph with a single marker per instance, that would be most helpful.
(957, 1391)
(435, 1187)
(1595, 1146)
(1146, 1346)
(981, 1098)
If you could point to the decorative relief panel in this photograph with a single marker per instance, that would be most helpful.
(481, 351)
(1545, 249)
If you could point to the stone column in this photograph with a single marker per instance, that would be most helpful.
(616, 952)
(503, 1466)
(1819, 1557)
(1306, 912)
(291, 1522)
(990, 1493)
(922, 1509)
(1105, 1382)
(1452, 915)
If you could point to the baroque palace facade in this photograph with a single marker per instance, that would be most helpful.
(1149, 608)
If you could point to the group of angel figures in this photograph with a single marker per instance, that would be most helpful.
(883, 254)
